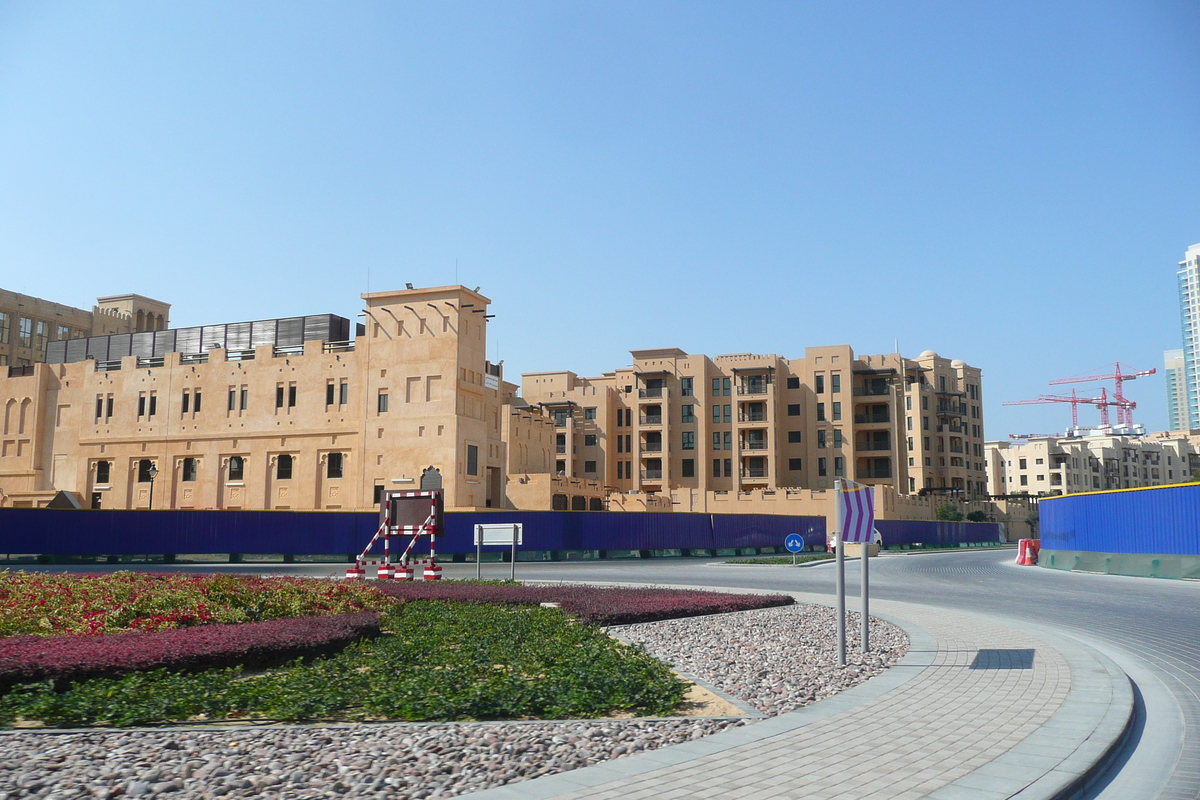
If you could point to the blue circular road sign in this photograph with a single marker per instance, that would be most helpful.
(794, 543)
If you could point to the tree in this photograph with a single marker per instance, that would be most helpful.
(977, 516)
(949, 512)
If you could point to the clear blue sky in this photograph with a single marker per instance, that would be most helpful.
(1008, 183)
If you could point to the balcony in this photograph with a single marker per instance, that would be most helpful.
(560, 422)
(753, 388)
(951, 411)
(752, 416)
(872, 391)
(956, 448)
(951, 429)
(287, 350)
(652, 447)
(878, 472)
(27, 369)
(873, 446)
(194, 358)
(654, 392)
(338, 347)
(754, 472)
(150, 363)
(651, 419)
(561, 449)
(248, 355)
(108, 366)
(652, 474)
(754, 444)
(871, 419)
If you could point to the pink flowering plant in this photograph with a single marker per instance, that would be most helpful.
(44, 604)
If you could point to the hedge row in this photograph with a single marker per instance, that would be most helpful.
(27, 659)
(592, 605)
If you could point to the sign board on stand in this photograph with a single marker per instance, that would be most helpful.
(794, 544)
(511, 533)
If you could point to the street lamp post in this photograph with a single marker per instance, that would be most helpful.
(153, 473)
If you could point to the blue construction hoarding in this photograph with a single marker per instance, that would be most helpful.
(1161, 520)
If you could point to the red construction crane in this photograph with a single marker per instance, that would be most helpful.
(1102, 402)
(1124, 407)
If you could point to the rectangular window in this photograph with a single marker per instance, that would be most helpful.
(344, 394)
(716, 389)
(233, 399)
(589, 466)
(688, 468)
(908, 423)
(689, 440)
(688, 414)
(716, 440)
(793, 409)
(108, 408)
(100, 406)
(837, 411)
(728, 413)
(925, 442)
(820, 440)
(279, 396)
(283, 467)
(620, 444)
(245, 398)
(102, 472)
(237, 468)
(820, 412)
(141, 405)
(292, 396)
(908, 403)
(196, 401)
(924, 423)
(334, 465)
(839, 466)
(822, 469)
(793, 437)
(184, 402)
(728, 464)
(145, 466)
(329, 390)
(837, 437)
(726, 386)
(728, 440)
(589, 440)
(793, 382)
(188, 473)
(381, 404)
(716, 415)
(620, 470)
(686, 386)
(24, 332)
(716, 467)
(795, 464)
(41, 336)
(924, 403)
(835, 383)
(62, 332)
(589, 413)
(4, 326)
(819, 384)
(472, 460)
(153, 403)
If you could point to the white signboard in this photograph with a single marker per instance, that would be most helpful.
(491, 382)
(499, 534)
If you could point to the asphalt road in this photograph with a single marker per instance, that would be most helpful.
(1151, 628)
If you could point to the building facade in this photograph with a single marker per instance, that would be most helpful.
(1189, 312)
(1175, 372)
(259, 415)
(676, 423)
(28, 325)
(1053, 466)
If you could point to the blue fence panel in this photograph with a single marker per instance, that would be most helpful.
(1163, 520)
(106, 532)
(897, 532)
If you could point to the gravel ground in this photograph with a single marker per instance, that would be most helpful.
(775, 659)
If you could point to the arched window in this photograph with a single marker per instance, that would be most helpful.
(431, 478)
(140, 322)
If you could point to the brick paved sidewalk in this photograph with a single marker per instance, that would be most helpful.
(975, 710)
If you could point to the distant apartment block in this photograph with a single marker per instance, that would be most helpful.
(1176, 375)
(28, 325)
(1060, 465)
(1189, 310)
(674, 421)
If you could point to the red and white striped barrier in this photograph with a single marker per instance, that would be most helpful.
(356, 572)
(404, 572)
(433, 571)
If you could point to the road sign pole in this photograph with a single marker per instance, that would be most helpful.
(840, 547)
(478, 552)
(866, 594)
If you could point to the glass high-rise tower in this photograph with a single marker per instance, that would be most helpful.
(1189, 310)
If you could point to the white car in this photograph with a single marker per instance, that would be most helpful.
(877, 539)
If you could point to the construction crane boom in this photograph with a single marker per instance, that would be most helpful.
(1124, 407)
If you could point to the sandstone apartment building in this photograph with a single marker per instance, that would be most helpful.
(297, 413)
(674, 422)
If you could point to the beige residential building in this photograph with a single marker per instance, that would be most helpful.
(678, 423)
(292, 413)
(29, 325)
(1053, 466)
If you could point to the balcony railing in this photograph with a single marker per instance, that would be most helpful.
(753, 388)
(956, 449)
(885, 472)
(651, 419)
(659, 392)
(149, 363)
(950, 428)
(338, 347)
(652, 474)
(193, 358)
(872, 391)
(754, 444)
(242, 355)
(951, 411)
(652, 447)
(561, 449)
(870, 419)
(560, 422)
(754, 472)
(108, 366)
(752, 416)
(27, 369)
(872, 446)
(287, 350)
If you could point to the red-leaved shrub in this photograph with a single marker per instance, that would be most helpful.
(593, 605)
(25, 659)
